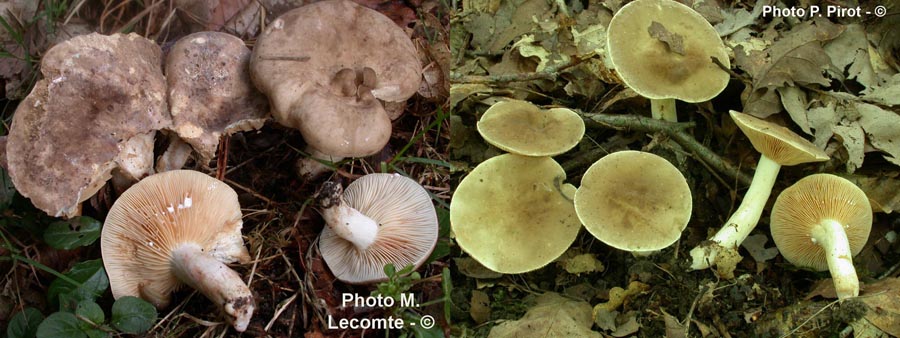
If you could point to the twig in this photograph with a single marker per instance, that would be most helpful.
(547, 74)
(674, 131)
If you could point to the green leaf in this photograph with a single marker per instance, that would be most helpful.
(133, 315)
(60, 325)
(73, 233)
(90, 311)
(442, 248)
(93, 281)
(24, 324)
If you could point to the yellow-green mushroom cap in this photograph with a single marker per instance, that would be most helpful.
(522, 128)
(776, 142)
(652, 67)
(634, 201)
(513, 214)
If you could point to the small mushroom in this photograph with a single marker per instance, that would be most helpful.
(522, 128)
(379, 219)
(820, 223)
(326, 67)
(634, 201)
(97, 109)
(778, 146)
(210, 94)
(178, 227)
(514, 214)
(662, 50)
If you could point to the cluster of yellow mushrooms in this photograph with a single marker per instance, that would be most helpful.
(515, 213)
(328, 69)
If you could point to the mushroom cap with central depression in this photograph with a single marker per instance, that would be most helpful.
(522, 128)
(514, 214)
(653, 68)
(634, 201)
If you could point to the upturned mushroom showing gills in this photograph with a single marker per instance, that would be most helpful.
(326, 68)
(173, 228)
(522, 128)
(634, 201)
(379, 219)
(514, 213)
(820, 223)
(662, 50)
(778, 147)
(93, 116)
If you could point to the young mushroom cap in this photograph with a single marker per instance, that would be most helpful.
(210, 94)
(404, 226)
(98, 93)
(634, 201)
(522, 128)
(678, 69)
(332, 61)
(177, 227)
(820, 222)
(514, 214)
(776, 142)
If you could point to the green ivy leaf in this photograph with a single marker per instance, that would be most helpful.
(90, 311)
(133, 315)
(61, 325)
(72, 233)
(24, 324)
(93, 281)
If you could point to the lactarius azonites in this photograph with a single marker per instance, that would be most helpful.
(178, 227)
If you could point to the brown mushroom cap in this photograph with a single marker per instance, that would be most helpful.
(651, 68)
(634, 201)
(407, 232)
(66, 137)
(210, 94)
(807, 203)
(522, 128)
(777, 142)
(335, 58)
(514, 214)
(156, 216)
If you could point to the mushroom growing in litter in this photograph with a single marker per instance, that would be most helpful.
(662, 50)
(778, 147)
(821, 222)
(514, 214)
(178, 227)
(326, 67)
(522, 128)
(210, 95)
(379, 219)
(92, 116)
(626, 196)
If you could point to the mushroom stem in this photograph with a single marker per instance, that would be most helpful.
(744, 219)
(663, 109)
(312, 166)
(830, 235)
(348, 223)
(216, 281)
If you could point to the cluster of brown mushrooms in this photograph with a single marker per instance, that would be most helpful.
(337, 71)
(513, 213)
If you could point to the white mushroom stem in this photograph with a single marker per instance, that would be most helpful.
(830, 235)
(312, 166)
(216, 281)
(348, 223)
(744, 219)
(663, 109)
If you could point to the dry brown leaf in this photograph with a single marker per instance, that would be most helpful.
(883, 191)
(884, 309)
(480, 307)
